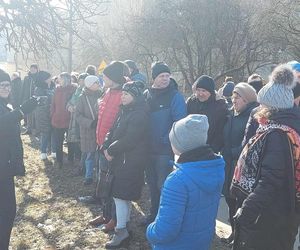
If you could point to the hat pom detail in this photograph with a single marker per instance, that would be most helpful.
(283, 74)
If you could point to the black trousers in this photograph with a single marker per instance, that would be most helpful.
(74, 152)
(268, 233)
(59, 135)
(7, 210)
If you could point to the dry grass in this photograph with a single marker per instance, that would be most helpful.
(50, 217)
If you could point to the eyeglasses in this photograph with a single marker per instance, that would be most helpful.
(5, 85)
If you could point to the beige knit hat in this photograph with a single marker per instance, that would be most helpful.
(246, 91)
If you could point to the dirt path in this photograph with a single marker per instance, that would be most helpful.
(49, 215)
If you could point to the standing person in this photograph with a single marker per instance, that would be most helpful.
(244, 101)
(167, 106)
(27, 92)
(109, 106)
(190, 196)
(11, 156)
(91, 70)
(227, 93)
(42, 113)
(205, 102)
(266, 179)
(256, 81)
(16, 87)
(87, 116)
(127, 158)
(60, 116)
(73, 138)
(135, 74)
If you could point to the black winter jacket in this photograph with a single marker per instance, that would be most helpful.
(42, 112)
(128, 143)
(272, 198)
(216, 112)
(234, 131)
(11, 149)
(15, 95)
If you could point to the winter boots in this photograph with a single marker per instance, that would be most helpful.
(120, 238)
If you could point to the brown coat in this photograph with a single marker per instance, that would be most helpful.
(85, 118)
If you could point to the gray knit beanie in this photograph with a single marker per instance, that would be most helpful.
(189, 133)
(277, 93)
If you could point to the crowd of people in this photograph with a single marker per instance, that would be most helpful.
(241, 141)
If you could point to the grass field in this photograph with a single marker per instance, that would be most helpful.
(49, 215)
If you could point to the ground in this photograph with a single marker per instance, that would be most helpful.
(49, 215)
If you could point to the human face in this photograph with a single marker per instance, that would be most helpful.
(5, 89)
(95, 86)
(33, 70)
(202, 94)
(238, 103)
(297, 75)
(161, 81)
(81, 82)
(126, 98)
(107, 82)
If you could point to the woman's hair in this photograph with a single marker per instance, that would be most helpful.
(265, 112)
(91, 70)
(66, 77)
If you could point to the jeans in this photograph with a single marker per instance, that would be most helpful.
(7, 210)
(59, 135)
(156, 173)
(45, 142)
(89, 165)
(123, 210)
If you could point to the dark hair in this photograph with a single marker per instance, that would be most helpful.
(34, 65)
(228, 79)
(91, 70)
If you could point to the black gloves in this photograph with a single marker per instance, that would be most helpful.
(94, 123)
(29, 105)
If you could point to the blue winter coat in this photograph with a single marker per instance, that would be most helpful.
(188, 207)
(166, 107)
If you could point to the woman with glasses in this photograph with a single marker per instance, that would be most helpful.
(11, 156)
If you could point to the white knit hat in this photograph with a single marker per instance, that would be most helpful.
(90, 80)
(277, 93)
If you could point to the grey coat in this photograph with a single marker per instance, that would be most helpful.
(85, 118)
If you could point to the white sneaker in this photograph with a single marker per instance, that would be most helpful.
(53, 155)
(43, 156)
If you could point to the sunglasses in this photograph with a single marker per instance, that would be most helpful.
(5, 85)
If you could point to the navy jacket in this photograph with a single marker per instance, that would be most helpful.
(166, 106)
(189, 204)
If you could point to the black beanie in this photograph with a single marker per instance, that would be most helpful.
(207, 83)
(115, 71)
(4, 76)
(158, 68)
(135, 88)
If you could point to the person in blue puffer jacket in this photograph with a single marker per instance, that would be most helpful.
(190, 195)
(167, 105)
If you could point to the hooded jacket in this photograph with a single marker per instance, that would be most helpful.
(189, 203)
